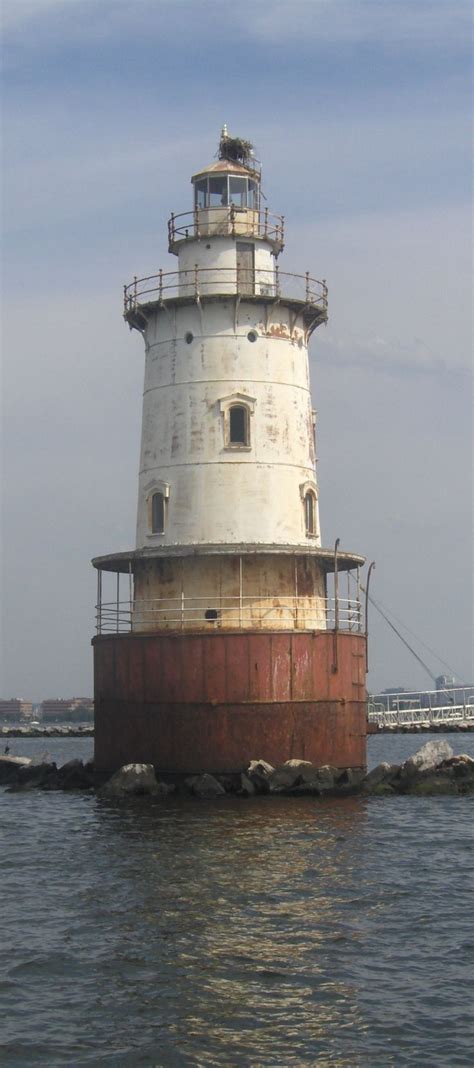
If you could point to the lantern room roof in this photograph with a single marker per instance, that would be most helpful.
(227, 166)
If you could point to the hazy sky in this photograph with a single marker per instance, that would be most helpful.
(360, 112)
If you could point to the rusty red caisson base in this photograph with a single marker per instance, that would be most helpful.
(229, 633)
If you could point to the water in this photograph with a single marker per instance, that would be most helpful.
(261, 932)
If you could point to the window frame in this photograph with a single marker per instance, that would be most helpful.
(237, 400)
(309, 492)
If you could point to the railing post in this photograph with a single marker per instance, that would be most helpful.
(130, 592)
(371, 568)
(99, 601)
(232, 220)
(282, 228)
(124, 299)
(265, 222)
(135, 280)
(196, 281)
(325, 293)
(336, 586)
(277, 280)
(307, 286)
(118, 602)
(240, 592)
(358, 599)
(336, 609)
(182, 594)
(196, 223)
(296, 592)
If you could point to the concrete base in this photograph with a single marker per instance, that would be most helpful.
(189, 703)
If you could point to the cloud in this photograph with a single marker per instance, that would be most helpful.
(366, 21)
(320, 22)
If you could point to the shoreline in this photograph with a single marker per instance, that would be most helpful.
(59, 730)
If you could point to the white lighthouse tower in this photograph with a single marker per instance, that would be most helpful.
(228, 645)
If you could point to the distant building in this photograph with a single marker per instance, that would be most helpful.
(14, 709)
(447, 692)
(453, 693)
(67, 710)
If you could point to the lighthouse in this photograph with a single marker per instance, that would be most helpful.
(229, 632)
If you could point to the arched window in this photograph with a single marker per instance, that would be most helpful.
(310, 512)
(158, 513)
(237, 411)
(238, 425)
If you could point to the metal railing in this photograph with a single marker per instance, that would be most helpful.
(115, 617)
(405, 717)
(207, 281)
(241, 222)
(420, 706)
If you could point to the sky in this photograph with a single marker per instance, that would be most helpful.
(360, 114)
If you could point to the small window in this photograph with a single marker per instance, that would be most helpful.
(237, 411)
(238, 425)
(158, 513)
(252, 335)
(310, 512)
(189, 337)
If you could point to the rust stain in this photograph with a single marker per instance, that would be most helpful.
(212, 702)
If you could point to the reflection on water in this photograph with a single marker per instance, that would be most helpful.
(264, 932)
(247, 919)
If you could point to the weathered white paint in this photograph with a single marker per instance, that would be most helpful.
(199, 360)
(219, 495)
(250, 592)
(217, 257)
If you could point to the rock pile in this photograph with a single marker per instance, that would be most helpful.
(135, 780)
(55, 730)
(432, 770)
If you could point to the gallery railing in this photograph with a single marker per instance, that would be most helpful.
(122, 616)
(201, 282)
(237, 222)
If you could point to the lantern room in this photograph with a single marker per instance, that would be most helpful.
(224, 185)
(227, 201)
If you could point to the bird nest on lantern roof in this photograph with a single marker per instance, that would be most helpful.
(235, 149)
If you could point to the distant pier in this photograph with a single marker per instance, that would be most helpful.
(57, 730)
(429, 710)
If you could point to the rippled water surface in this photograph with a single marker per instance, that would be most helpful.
(258, 932)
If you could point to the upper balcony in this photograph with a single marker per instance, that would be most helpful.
(305, 295)
(228, 220)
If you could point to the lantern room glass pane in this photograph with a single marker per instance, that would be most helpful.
(200, 193)
(238, 192)
(217, 192)
(252, 197)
